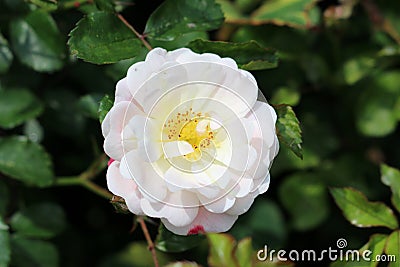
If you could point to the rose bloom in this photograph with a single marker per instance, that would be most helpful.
(189, 141)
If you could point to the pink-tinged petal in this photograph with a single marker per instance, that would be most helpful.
(117, 184)
(211, 222)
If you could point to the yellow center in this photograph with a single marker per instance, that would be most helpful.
(196, 139)
(183, 126)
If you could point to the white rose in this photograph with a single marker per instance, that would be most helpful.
(190, 142)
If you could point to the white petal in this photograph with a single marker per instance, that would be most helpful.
(176, 215)
(133, 203)
(240, 157)
(263, 187)
(245, 185)
(217, 205)
(210, 222)
(122, 92)
(264, 123)
(113, 146)
(139, 72)
(106, 125)
(241, 205)
(229, 62)
(180, 179)
(145, 174)
(117, 118)
(123, 187)
(176, 148)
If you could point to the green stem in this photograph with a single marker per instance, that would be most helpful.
(84, 179)
(96, 189)
(67, 181)
(98, 165)
(77, 180)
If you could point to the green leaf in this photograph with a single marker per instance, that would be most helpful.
(221, 250)
(249, 56)
(176, 17)
(105, 105)
(252, 223)
(101, 38)
(27, 252)
(25, 161)
(180, 41)
(105, 5)
(391, 177)
(286, 95)
(288, 129)
(4, 198)
(136, 254)
(376, 108)
(167, 241)
(295, 13)
(183, 264)
(376, 244)
(44, 220)
(18, 106)
(230, 9)
(392, 248)
(5, 253)
(37, 42)
(6, 55)
(47, 5)
(118, 70)
(357, 68)
(244, 252)
(89, 105)
(361, 212)
(306, 199)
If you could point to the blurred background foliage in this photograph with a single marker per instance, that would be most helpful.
(338, 68)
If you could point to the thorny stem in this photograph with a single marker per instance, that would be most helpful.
(140, 36)
(149, 241)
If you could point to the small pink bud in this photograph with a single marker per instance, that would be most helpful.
(197, 229)
(110, 161)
